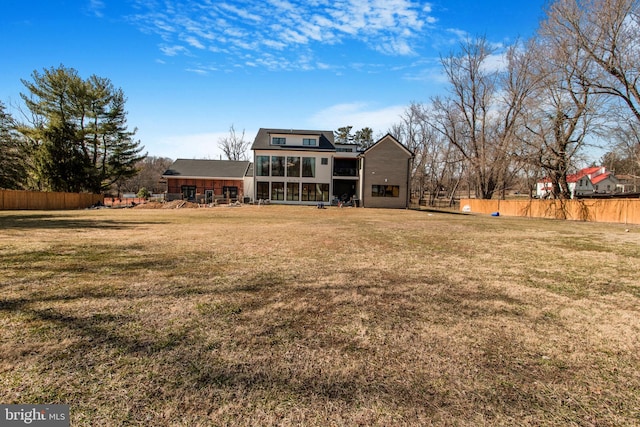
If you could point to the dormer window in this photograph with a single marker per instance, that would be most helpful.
(278, 141)
(309, 141)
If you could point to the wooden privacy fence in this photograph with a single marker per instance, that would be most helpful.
(38, 200)
(625, 211)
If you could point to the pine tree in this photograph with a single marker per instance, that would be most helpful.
(79, 128)
(13, 153)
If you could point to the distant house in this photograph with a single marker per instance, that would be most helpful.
(596, 180)
(204, 181)
(385, 171)
(308, 167)
(586, 182)
(628, 183)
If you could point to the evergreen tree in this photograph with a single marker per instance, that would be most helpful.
(13, 153)
(364, 138)
(343, 135)
(79, 129)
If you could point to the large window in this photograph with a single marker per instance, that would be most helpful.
(262, 165)
(308, 141)
(278, 141)
(277, 166)
(345, 167)
(277, 191)
(293, 191)
(385, 191)
(293, 166)
(309, 167)
(262, 190)
(230, 192)
(189, 192)
(315, 192)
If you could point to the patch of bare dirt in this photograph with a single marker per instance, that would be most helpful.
(176, 204)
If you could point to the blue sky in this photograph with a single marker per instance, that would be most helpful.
(192, 68)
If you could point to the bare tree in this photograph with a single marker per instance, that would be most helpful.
(149, 176)
(234, 146)
(435, 163)
(479, 116)
(562, 109)
(607, 33)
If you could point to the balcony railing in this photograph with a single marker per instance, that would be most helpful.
(345, 172)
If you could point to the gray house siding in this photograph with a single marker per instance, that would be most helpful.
(385, 172)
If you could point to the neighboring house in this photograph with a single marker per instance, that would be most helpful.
(385, 171)
(307, 167)
(587, 181)
(204, 181)
(595, 180)
(628, 183)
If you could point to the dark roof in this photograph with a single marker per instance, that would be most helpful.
(263, 139)
(391, 138)
(187, 168)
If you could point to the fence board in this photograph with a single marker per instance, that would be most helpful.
(40, 200)
(625, 211)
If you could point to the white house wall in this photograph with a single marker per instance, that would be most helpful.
(248, 187)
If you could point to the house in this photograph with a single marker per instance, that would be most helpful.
(628, 183)
(294, 166)
(586, 182)
(204, 181)
(385, 174)
(595, 180)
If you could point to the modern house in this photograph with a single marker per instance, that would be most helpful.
(204, 181)
(309, 167)
(303, 167)
(293, 166)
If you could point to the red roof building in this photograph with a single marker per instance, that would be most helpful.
(585, 182)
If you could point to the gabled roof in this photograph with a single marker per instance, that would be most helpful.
(590, 173)
(263, 139)
(601, 177)
(392, 139)
(187, 168)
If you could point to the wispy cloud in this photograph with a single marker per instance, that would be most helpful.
(390, 27)
(194, 42)
(174, 50)
(96, 7)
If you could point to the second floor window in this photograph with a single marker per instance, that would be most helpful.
(308, 141)
(278, 141)
(293, 166)
(277, 166)
(309, 167)
(262, 166)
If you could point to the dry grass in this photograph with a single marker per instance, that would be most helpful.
(296, 316)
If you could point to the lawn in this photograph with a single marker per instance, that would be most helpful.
(278, 315)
